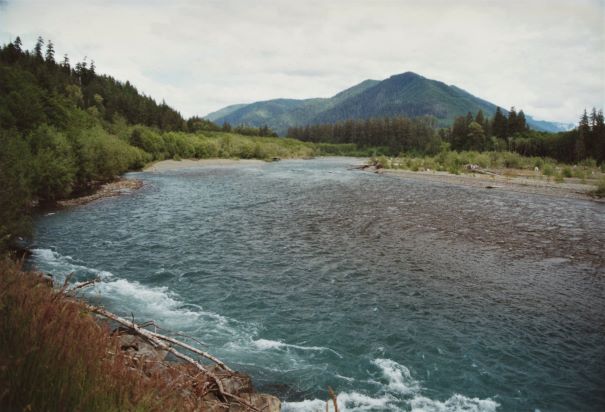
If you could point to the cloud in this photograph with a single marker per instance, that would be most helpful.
(546, 57)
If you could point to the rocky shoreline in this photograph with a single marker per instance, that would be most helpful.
(154, 362)
(570, 190)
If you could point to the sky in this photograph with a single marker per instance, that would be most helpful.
(546, 57)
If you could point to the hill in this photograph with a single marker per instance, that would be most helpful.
(408, 94)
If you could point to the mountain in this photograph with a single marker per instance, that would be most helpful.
(407, 94)
(225, 111)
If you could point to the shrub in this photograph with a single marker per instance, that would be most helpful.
(566, 172)
(548, 170)
(600, 189)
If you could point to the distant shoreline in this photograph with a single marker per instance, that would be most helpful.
(579, 191)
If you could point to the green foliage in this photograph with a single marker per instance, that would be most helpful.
(566, 172)
(456, 162)
(15, 188)
(600, 189)
(548, 170)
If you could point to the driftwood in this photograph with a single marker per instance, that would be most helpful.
(159, 342)
(334, 400)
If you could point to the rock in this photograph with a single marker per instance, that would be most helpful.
(139, 348)
(262, 401)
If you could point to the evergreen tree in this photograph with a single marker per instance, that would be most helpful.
(65, 60)
(521, 122)
(582, 137)
(480, 118)
(17, 44)
(469, 118)
(599, 131)
(499, 124)
(50, 52)
(512, 122)
(38, 48)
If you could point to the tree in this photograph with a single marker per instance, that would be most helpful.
(582, 137)
(50, 52)
(475, 137)
(469, 118)
(38, 48)
(512, 122)
(17, 44)
(499, 124)
(521, 122)
(480, 118)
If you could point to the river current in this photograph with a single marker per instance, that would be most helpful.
(400, 294)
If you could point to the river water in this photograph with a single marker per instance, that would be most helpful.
(400, 294)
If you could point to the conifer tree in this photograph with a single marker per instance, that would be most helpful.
(512, 122)
(499, 124)
(50, 52)
(17, 44)
(582, 137)
(38, 48)
(480, 118)
(521, 122)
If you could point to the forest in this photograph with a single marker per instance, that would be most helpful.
(503, 132)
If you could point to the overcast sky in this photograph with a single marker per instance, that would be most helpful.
(544, 56)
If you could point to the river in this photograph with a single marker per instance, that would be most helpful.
(400, 294)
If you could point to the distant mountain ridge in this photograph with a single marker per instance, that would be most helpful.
(407, 94)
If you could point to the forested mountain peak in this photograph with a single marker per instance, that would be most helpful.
(406, 94)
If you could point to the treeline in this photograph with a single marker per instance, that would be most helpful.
(503, 131)
(196, 124)
(509, 131)
(397, 134)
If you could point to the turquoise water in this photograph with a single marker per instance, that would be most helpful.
(400, 294)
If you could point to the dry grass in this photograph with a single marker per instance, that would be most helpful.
(54, 356)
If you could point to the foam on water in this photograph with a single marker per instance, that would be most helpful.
(156, 303)
(398, 392)
(398, 376)
(457, 403)
(266, 344)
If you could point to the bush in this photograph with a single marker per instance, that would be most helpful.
(566, 172)
(600, 189)
(548, 170)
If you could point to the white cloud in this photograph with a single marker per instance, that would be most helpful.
(547, 57)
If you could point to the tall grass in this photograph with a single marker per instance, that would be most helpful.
(55, 357)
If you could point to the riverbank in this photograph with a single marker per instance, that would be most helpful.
(111, 189)
(519, 184)
(64, 352)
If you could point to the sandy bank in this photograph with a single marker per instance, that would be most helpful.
(182, 164)
(117, 188)
(573, 190)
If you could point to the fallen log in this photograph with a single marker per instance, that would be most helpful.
(158, 341)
